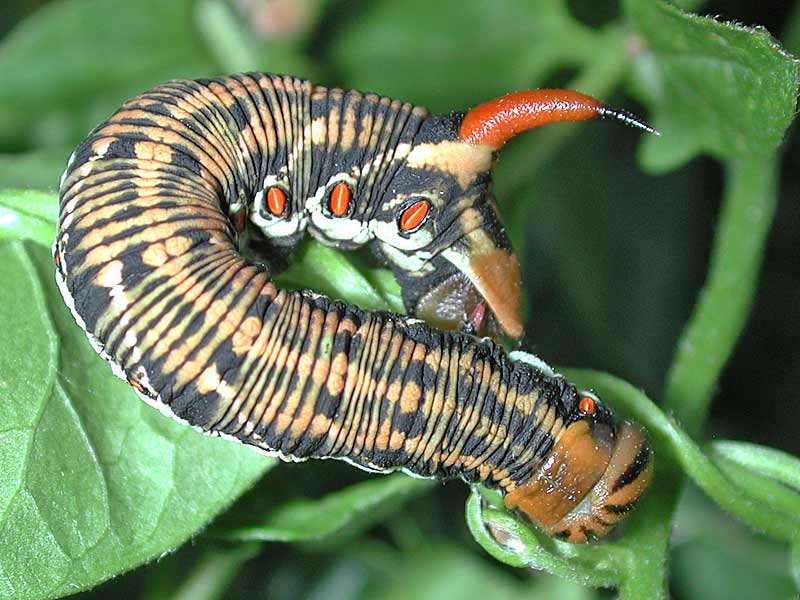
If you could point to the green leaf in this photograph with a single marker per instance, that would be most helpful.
(28, 215)
(93, 482)
(107, 51)
(358, 505)
(330, 272)
(713, 87)
(765, 473)
(228, 39)
(237, 45)
(415, 49)
(383, 281)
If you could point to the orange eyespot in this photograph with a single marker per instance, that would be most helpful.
(340, 199)
(136, 385)
(276, 201)
(414, 215)
(587, 406)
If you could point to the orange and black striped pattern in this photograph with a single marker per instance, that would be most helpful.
(159, 207)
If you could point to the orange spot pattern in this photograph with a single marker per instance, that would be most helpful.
(414, 215)
(586, 406)
(340, 199)
(276, 201)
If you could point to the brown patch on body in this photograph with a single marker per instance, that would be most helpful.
(396, 440)
(336, 378)
(245, 335)
(320, 424)
(573, 467)
(153, 151)
(409, 400)
(319, 131)
(177, 245)
(462, 161)
(154, 255)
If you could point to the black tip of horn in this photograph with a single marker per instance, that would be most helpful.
(605, 112)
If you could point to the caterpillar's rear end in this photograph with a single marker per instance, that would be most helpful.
(589, 481)
(159, 202)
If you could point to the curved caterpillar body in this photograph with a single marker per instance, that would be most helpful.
(160, 202)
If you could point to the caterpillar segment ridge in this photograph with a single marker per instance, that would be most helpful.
(176, 212)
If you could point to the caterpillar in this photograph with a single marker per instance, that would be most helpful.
(176, 212)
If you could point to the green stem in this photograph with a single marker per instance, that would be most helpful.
(768, 462)
(227, 39)
(725, 301)
(213, 572)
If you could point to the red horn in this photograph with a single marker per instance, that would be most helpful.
(495, 122)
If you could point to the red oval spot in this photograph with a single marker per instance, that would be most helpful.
(136, 385)
(414, 215)
(276, 201)
(587, 406)
(340, 199)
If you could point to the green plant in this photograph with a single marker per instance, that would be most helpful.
(94, 483)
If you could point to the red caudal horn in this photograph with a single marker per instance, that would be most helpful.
(495, 122)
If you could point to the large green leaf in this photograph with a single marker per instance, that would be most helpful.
(714, 87)
(93, 482)
(28, 215)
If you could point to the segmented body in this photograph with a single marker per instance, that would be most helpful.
(155, 207)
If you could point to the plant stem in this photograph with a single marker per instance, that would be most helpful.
(711, 333)
(226, 38)
(214, 571)
(727, 297)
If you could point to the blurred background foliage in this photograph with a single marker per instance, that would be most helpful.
(613, 256)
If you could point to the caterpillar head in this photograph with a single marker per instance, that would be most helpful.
(438, 225)
(593, 476)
